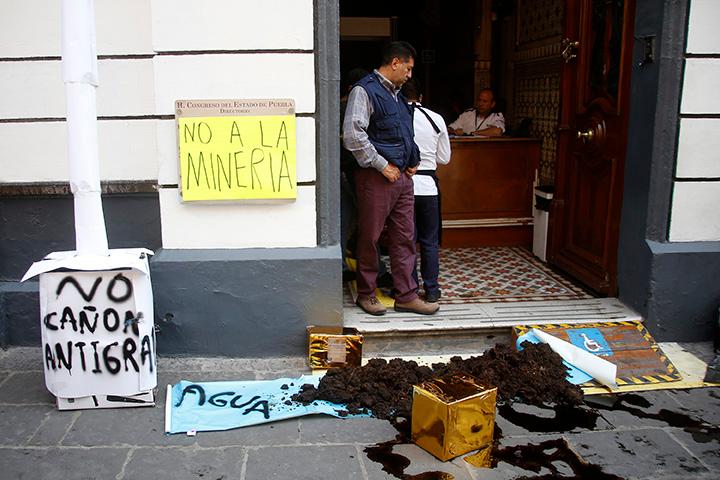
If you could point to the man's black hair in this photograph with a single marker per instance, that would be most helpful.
(402, 50)
(411, 89)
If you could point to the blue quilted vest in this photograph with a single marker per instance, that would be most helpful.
(391, 125)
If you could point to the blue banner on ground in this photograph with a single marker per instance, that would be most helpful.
(207, 406)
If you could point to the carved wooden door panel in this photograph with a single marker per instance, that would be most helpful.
(585, 213)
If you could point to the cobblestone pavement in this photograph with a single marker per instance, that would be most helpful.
(653, 439)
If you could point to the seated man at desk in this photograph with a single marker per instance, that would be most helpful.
(480, 120)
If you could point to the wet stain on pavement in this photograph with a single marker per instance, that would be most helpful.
(702, 432)
(552, 455)
(395, 464)
(566, 418)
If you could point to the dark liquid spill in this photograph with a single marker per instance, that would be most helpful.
(528, 457)
(567, 417)
(535, 457)
(701, 431)
(543, 455)
(395, 464)
(430, 476)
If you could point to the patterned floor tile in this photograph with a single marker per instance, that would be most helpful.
(498, 274)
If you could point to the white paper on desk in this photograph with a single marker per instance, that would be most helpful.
(600, 369)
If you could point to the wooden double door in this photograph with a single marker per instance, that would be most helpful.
(585, 213)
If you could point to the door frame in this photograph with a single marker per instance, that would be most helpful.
(648, 265)
(671, 284)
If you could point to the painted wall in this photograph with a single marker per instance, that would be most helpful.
(696, 189)
(228, 279)
(152, 53)
(669, 253)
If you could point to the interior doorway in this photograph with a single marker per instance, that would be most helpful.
(514, 47)
(518, 56)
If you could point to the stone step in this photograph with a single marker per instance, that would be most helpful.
(466, 329)
(493, 315)
(414, 345)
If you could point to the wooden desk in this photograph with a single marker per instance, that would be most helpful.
(487, 191)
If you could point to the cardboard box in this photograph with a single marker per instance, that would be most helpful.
(97, 328)
(330, 347)
(452, 416)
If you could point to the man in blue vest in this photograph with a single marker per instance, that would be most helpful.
(378, 130)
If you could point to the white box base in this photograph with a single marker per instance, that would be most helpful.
(142, 399)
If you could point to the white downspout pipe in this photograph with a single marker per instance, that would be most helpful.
(79, 65)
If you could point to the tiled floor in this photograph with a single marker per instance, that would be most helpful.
(494, 288)
(497, 274)
(501, 274)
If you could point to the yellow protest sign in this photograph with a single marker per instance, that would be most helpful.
(237, 149)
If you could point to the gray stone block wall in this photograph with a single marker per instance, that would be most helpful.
(244, 303)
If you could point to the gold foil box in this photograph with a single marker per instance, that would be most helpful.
(330, 347)
(452, 416)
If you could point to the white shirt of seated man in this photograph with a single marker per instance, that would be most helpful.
(481, 120)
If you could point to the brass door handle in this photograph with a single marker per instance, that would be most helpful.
(569, 51)
(586, 135)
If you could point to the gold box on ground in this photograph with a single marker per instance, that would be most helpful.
(330, 347)
(452, 416)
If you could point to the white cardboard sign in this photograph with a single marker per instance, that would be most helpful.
(97, 332)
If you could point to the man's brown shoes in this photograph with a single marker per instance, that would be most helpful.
(371, 305)
(417, 306)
